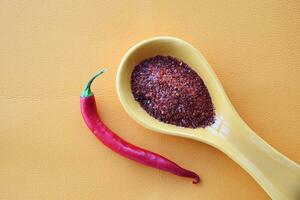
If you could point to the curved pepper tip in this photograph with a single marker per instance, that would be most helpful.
(192, 175)
(196, 179)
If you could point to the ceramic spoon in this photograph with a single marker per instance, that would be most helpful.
(277, 175)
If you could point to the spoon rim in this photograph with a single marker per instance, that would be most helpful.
(168, 129)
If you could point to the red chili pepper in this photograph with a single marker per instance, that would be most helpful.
(120, 146)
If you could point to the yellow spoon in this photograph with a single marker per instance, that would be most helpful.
(277, 175)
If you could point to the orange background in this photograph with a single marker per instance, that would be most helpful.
(49, 50)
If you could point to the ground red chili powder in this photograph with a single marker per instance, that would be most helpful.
(170, 91)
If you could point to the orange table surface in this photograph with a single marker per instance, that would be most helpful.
(49, 50)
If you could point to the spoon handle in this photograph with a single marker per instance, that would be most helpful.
(278, 176)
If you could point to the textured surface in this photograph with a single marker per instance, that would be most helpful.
(50, 49)
(172, 92)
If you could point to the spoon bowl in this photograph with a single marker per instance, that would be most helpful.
(279, 176)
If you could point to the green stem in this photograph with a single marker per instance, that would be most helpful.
(87, 89)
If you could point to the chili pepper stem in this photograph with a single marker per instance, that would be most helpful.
(87, 89)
